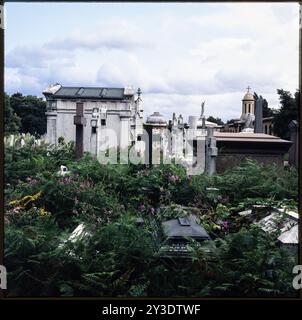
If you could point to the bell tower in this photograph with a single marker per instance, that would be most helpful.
(248, 103)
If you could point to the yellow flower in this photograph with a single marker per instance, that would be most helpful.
(26, 200)
(42, 212)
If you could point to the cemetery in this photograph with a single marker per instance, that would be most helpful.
(75, 227)
(109, 204)
(151, 151)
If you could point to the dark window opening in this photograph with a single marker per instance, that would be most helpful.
(195, 148)
(139, 138)
(103, 122)
(93, 129)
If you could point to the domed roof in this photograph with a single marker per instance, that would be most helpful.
(155, 118)
(248, 95)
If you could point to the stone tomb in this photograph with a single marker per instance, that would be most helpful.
(235, 147)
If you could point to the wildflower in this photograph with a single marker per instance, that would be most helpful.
(33, 182)
(16, 209)
(26, 200)
(225, 225)
(43, 213)
(86, 184)
(141, 207)
(172, 178)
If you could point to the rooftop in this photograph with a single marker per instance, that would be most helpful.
(156, 118)
(99, 93)
(246, 136)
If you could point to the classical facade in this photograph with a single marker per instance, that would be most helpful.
(114, 110)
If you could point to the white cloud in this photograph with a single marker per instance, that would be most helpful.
(177, 62)
(112, 34)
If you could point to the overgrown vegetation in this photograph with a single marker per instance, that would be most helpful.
(116, 257)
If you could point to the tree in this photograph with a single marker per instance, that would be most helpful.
(31, 110)
(12, 122)
(288, 112)
(267, 111)
(215, 120)
(231, 121)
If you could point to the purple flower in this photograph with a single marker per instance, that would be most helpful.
(152, 210)
(33, 182)
(172, 178)
(225, 225)
(141, 207)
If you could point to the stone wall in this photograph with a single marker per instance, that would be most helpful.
(228, 161)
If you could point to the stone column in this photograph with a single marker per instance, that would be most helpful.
(294, 137)
(259, 116)
(211, 152)
(51, 135)
(79, 122)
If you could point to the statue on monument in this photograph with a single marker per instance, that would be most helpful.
(202, 116)
(249, 123)
(202, 110)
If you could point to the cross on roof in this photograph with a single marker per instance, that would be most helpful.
(248, 89)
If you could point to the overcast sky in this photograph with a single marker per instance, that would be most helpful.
(178, 54)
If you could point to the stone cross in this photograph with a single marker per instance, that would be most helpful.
(80, 122)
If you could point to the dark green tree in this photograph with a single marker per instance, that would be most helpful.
(31, 110)
(288, 112)
(267, 111)
(12, 122)
(231, 121)
(215, 120)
